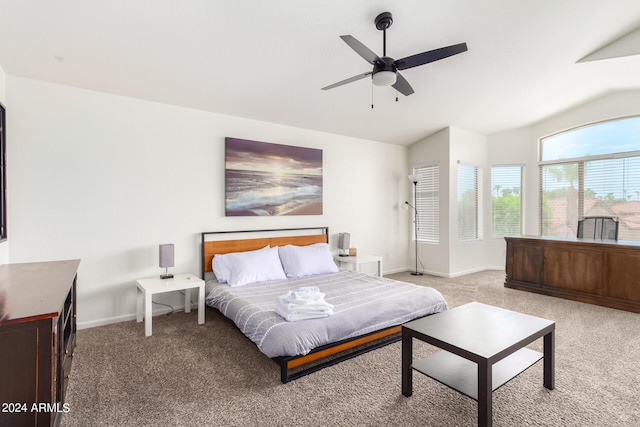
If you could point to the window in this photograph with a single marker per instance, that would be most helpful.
(468, 202)
(3, 175)
(426, 201)
(506, 201)
(591, 170)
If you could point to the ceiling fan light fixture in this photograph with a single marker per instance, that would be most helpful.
(384, 78)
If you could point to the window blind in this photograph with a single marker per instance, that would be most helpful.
(468, 202)
(426, 201)
(506, 200)
(600, 187)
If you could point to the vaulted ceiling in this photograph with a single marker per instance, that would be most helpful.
(267, 60)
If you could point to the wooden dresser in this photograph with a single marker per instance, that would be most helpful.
(602, 272)
(37, 339)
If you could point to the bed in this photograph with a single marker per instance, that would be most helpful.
(367, 311)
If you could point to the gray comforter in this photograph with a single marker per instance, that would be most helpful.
(362, 304)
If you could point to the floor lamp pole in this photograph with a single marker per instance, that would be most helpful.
(415, 223)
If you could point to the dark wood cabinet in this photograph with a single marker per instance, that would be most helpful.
(37, 340)
(603, 272)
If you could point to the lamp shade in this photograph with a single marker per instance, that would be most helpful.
(413, 178)
(384, 78)
(344, 240)
(166, 255)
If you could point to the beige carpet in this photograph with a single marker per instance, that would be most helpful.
(191, 375)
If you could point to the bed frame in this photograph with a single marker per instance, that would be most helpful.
(296, 366)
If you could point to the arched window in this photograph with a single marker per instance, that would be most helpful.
(592, 170)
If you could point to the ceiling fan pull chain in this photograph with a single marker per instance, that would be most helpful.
(372, 94)
(396, 95)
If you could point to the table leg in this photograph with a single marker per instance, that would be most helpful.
(139, 301)
(187, 300)
(380, 268)
(148, 309)
(407, 357)
(200, 304)
(485, 389)
(549, 360)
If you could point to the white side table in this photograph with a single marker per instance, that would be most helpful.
(358, 260)
(155, 285)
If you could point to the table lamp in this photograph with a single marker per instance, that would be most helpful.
(344, 242)
(166, 260)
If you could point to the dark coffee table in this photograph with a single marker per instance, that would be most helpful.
(484, 347)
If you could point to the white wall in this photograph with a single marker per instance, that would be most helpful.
(517, 146)
(106, 179)
(3, 91)
(434, 258)
(512, 148)
(520, 146)
(468, 148)
(610, 106)
(4, 246)
(450, 257)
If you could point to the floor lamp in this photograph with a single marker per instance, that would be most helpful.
(414, 178)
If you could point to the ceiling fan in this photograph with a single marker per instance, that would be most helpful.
(386, 70)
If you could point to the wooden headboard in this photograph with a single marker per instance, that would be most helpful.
(262, 238)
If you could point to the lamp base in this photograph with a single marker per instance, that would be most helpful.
(416, 273)
(166, 276)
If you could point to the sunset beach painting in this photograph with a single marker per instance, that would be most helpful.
(265, 179)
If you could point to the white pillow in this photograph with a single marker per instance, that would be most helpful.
(300, 261)
(221, 264)
(256, 266)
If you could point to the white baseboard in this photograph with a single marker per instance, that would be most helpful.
(395, 270)
(128, 317)
(450, 275)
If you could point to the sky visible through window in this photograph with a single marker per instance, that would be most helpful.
(616, 136)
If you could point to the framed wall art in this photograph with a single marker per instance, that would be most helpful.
(265, 179)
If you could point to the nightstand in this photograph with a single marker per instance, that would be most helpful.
(358, 260)
(155, 285)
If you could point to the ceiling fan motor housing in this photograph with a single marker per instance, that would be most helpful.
(384, 21)
(384, 72)
(387, 64)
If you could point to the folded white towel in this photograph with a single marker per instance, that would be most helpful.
(302, 298)
(292, 309)
(316, 306)
(293, 317)
(311, 307)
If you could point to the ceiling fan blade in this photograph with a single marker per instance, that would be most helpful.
(349, 80)
(402, 85)
(361, 49)
(430, 56)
